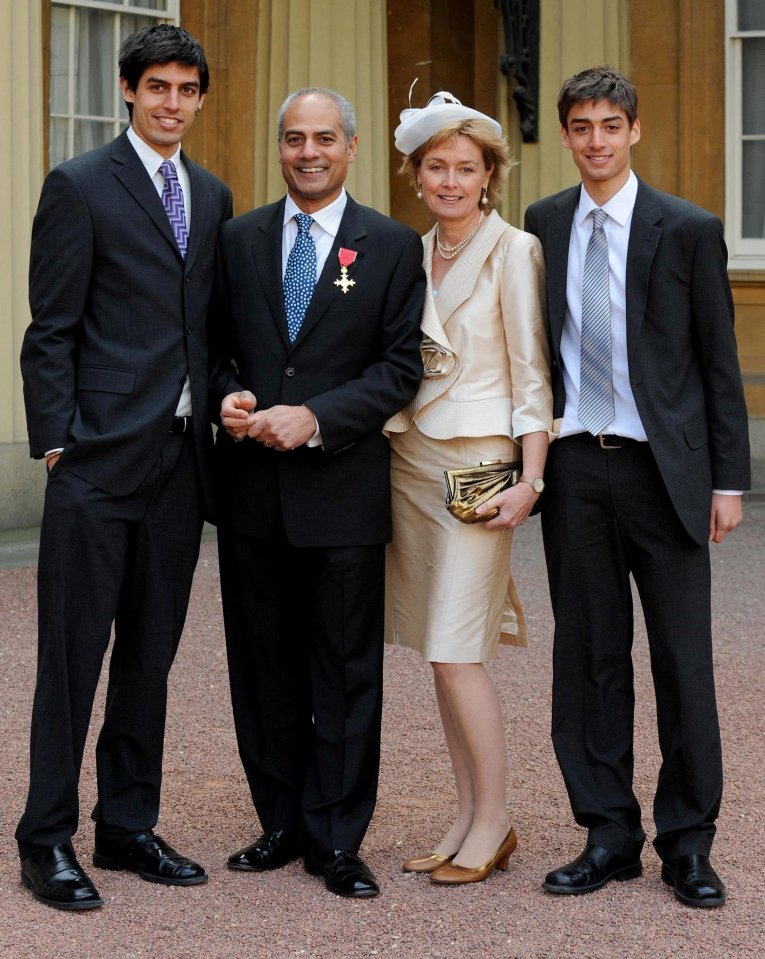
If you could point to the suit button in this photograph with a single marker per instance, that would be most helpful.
(182, 379)
(188, 278)
(290, 371)
(188, 329)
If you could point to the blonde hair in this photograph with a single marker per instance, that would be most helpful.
(495, 150)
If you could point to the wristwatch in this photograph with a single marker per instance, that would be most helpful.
(536, 483)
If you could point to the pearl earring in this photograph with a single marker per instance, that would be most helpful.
(418, 194)
(484, 197)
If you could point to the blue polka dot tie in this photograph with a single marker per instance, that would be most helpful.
(172, 198)
(596, 390)
(300, 276)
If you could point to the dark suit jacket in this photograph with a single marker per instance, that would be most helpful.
(118, 317)
(681, 347)
(355, 362)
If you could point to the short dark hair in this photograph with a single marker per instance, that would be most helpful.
(597, 83)
(161, 43)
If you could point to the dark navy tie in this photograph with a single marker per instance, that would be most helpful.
(172, 198)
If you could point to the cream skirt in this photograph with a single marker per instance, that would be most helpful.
(449, 592)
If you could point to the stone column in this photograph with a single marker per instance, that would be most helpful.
(21, 173)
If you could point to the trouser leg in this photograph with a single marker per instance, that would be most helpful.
(346, 658)
(593, 697)
(673, 577)
(83, 548)
(162, 556)
(265, 613)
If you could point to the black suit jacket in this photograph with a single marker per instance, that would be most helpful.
(683, 364)
(355, 362)
(118, 317)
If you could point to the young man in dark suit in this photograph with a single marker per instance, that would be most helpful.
(324, 299)
(652, 458)
(115, 382)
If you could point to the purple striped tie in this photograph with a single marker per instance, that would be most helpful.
(172, 198)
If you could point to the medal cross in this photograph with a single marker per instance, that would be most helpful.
(344, 282)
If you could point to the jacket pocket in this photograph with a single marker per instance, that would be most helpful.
(105, 380)
(696, 433)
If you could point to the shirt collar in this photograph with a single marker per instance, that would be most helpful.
(150, 158)
(619, 207)
(328, 217)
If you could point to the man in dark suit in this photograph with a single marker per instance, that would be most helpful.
(652, 458)
(115, 382)
(324, 299)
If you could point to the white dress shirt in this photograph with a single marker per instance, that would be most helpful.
(326, 223)
(626, 421)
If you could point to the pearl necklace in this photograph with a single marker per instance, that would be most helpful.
(450, 252)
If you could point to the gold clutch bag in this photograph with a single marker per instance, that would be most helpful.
(472, 486)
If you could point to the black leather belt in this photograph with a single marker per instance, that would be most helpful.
(180, 425)
(608, 441)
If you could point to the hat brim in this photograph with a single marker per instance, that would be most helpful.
(417, 126)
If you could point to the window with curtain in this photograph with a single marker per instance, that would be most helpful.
(86, 105)
(745, 120)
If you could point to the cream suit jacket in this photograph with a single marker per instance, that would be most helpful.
(487, 319)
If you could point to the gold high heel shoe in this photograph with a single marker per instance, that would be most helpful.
(453, 874)
(426, 863)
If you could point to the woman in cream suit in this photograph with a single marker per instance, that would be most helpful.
(485, 394)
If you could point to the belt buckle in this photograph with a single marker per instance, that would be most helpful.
(607, 446)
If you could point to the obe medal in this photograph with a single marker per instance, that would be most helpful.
(346, 258)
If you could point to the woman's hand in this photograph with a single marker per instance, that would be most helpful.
(514, 504)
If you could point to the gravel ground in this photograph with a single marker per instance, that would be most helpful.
(207, 814)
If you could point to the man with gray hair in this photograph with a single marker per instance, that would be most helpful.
(320, 345)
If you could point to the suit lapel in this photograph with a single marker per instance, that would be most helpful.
(200, 207)
(460, 281)
(267, 264)
(645, 234)
(132, 174)
(556, 244)
(431, 324)
(442, 366)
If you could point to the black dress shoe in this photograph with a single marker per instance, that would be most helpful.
(593, 869)
(694, 880)
(345, 873)
(55, 878)
(152, 858)
(272, 851)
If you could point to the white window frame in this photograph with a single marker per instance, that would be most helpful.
(746, 253)
(118, 117)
